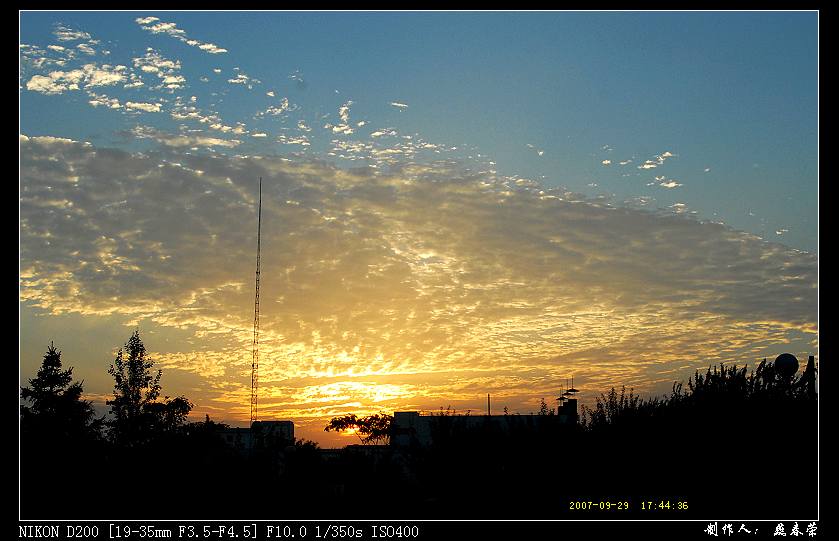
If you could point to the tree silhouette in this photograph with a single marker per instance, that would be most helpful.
(57, 409)
(138, 415)
(373, 429)
(59, 436)
(543, 408)
(766, 414)
(721, 389)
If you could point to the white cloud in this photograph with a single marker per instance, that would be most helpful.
(276, 110)
(244, 80)
(664, 182)
(445, 280)
(142, 106)
(182, 140)
(297, 77)
(656, 161)
(50, 141)
(339, 128)
(154, 62)
(301, 140)
(166, 70)
(104, 75)
(39, 58)
(64, 33)
(56, 83)
(155, 26)
(89, 75)
(238, 129)
(134, 81)
(86, 49)
(162, 28)
(210, 48)
(385, 132)
(174, 81)
(344, 115)
(344, 112)
(100, 99)
(539, 152)
(639, 201)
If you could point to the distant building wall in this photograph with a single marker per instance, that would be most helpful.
(274, 430)
(261, 432)
(238, 438)
(410, 428)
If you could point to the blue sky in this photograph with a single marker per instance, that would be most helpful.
(735, 93)
(455, 204)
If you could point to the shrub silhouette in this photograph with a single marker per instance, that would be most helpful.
(727, 440)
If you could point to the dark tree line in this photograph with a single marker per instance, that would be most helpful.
(727, 441)
(55, 408)
(145, 444)
(145, 460)
(720, 390)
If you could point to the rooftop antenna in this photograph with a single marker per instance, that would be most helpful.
(572, 391)
(488, 410)
(255, 358)
(567, 394)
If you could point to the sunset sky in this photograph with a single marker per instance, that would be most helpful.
(453, 204)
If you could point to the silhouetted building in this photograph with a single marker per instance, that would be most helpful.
(238, 438)
(274, 430)
(410, 428)
(261, 433)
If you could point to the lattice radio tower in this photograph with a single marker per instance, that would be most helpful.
(255, 359)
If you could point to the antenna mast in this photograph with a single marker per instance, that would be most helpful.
(255, 359)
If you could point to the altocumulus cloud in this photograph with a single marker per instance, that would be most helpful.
(417, 287)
